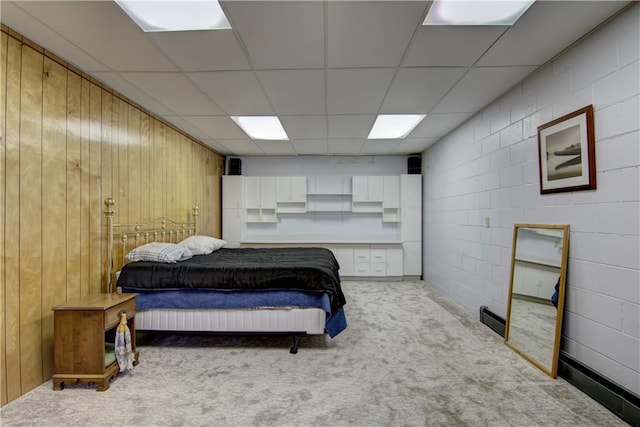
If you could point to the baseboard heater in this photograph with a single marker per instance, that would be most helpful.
(619, 401)
(492, 320)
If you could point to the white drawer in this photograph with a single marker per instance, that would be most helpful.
(378, 255)
(378, 269)
(361, 269)
(361, 255)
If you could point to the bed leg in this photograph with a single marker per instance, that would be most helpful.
(294, 345)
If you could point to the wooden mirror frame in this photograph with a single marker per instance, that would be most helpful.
(552, 368)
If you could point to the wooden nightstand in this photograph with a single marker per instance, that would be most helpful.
(83, 328)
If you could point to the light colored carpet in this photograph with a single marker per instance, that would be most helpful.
(410, 357)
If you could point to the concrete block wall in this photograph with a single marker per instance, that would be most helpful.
(483, 177)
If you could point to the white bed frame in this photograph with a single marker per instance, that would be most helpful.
(282, 320)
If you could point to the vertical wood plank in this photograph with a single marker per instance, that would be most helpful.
(115, 157)
(85, 201)
(170, 165)
(3, 135)
(133, 130)
(54, 272)
(145, 167)
(12, 221)
(31, 220)
(157, 170)
(185, 178)
(216, 206)
(74, 247)
(106, 146)
(95, 189)
(123, 165)
(198, 171)
(164, 164)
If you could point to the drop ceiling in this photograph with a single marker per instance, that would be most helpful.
(326, 68)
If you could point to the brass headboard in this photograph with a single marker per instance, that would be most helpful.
(130, 236)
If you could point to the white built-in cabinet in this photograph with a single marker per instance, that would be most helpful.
(377, 261)
(330, 193)
(377, 194)
(411, 224)
(291, 194)
(397, 199)
(260, 199)
(233, 208)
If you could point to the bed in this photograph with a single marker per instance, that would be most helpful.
(294, 291)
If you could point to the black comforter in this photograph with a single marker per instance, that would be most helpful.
(306, 269)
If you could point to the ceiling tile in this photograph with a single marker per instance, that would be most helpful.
(305, 127)
(241, 146)
(437, 125)
(350, 127)
(417, 90)
(202, 50)
(295, 91)
(115, 81)
(15, 17)
(378, 146)
(219, 128)
(345, 146)
(276, 147)
(175, 91)
(186, 126)
(370, 33)
(238, 93)
(479, 87)
(280, 35)
(318, 147)
(450, 46)
(114, 39)
(357, 90)
(413, 145)
(217, 146)
(547, 28)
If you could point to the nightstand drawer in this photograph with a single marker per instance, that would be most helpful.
(112, 315)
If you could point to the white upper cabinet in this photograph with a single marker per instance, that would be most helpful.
(291, 194)
(377, 194)
(260, 199)
(290, 189)
(391, 192)
(368, 188)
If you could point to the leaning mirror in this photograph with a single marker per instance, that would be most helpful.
(536, 293)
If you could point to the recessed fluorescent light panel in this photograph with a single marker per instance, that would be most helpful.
(394, 126)
(175, 15)
(476, 12)
(262, 127)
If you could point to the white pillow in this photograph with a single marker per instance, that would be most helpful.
(202, 245)
(160, 252)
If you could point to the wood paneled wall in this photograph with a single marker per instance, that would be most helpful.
(69, 142)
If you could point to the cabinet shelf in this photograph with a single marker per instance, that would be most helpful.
(337, 210)
(537, 260)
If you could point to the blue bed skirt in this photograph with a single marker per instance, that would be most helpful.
(194, 298)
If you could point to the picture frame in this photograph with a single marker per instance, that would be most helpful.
(566, 153)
